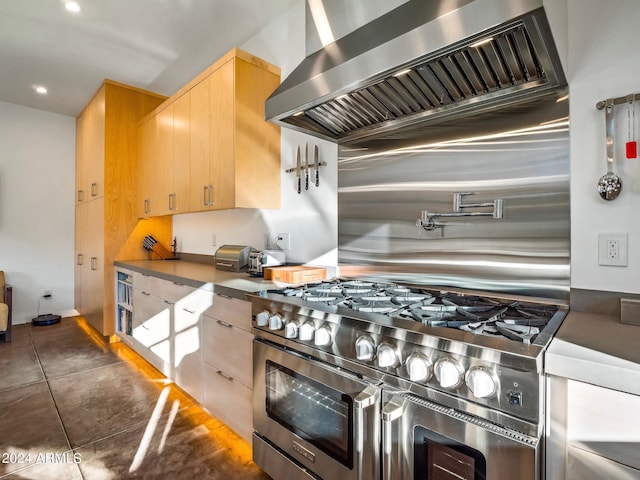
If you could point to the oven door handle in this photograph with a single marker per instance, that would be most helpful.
(368, 398)
(391, 443)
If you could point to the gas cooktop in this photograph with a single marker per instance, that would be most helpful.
(516, 320)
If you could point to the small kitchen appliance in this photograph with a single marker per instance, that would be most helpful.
(265, 258)
(232, 258)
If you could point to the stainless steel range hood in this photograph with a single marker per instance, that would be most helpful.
(423, 61)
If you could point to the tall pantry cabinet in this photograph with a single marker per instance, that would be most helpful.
(107, 228)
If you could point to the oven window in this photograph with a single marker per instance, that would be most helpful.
(313, 411)
(440, 458)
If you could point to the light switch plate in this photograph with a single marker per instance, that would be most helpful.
(613, 249)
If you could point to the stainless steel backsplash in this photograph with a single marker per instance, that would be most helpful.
(519, 155)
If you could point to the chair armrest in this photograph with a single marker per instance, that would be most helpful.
(8, 294)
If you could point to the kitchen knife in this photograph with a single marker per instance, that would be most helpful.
(316, 165)
(306, 167)
(298, 168)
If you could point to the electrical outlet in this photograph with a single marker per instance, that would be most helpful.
(282, 241)
(613, 249)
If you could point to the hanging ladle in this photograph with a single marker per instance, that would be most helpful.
(610, 184)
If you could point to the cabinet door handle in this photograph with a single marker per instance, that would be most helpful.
(168, 302)
(224, 375)
(224, 324)
(205, 196)
(145, 293)
(172, 201)
(188, 311)
(80, 195)
(94, 189)
(147, 204)
(80, 259)
(225, 296)
(209, 190)
(94, 263)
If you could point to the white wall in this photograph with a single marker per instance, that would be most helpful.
(37, 165)
(311, 217)
(604, 62)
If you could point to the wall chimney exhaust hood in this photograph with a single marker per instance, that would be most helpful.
(423, 61)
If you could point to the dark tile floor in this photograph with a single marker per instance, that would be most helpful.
(74, 407)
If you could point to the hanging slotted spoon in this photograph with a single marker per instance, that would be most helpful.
(610, 184)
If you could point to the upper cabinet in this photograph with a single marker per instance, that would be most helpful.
(90, 127)
(208, 147)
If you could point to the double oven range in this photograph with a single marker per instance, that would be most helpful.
(367, 380)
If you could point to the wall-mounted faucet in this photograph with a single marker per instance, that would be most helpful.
(428, 219)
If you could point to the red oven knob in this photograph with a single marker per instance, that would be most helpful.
(323, 336)
(482, 382)
(419, 367)
(291, 329)
(306, 331)
(448, 372)
(387, 356)
(365, 348)
(262, 318)
(275, 322)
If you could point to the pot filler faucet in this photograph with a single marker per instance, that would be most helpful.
(428, 222)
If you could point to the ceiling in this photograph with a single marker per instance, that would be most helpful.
(157, 45)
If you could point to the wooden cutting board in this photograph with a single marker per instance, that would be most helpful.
(295, 274)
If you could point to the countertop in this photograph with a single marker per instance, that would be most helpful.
(596, 349)
(233, 284)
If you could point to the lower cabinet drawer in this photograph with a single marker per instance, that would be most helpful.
(230, 348)
(229, 401)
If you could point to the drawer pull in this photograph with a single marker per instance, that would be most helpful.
(168, 302)
(224, 324)
(224, 375)
(224, 296)
(178, 284)
(188, 311)
(145, 293)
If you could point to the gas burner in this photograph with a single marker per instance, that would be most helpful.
(376, 303)
(357, 284)
(411, 298)
(397, 290)
(350, 291)
(324, 290)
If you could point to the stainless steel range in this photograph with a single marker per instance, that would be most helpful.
(455, 373)
(454, 235)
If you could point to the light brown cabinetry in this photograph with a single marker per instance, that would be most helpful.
(163, 170)
(228, 364)
(199, 339)
(106, 224)
(223, 153)
(90, 133)
(166, 327)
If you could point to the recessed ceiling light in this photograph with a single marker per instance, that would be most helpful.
(40, 89)
(72, 6)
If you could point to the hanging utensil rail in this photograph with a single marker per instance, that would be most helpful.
(618, 100)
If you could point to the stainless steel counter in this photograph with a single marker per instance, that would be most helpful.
(596, 349)
(197, 275)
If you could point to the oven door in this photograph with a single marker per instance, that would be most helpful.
(321, 418)
(426, 441)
